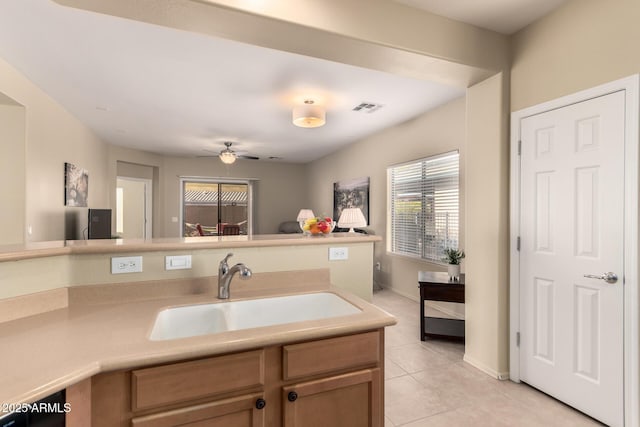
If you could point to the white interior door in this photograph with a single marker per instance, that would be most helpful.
(572, 224)
(133, 210)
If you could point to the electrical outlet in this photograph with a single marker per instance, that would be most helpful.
(177, 262)
(131, 264)
(336, 254)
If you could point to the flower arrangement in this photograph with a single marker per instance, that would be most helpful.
(318, 225)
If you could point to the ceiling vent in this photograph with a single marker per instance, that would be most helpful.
(367, 107)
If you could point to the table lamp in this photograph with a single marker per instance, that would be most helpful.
(350, 218)
(304, 215)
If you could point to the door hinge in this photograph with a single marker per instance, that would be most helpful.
(518, 339)
(518, 243)
(519, 147)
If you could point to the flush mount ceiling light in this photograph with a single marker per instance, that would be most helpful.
(228, 156)
(309, 115)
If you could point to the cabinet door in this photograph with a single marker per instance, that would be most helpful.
(348, 400)
(242, 411)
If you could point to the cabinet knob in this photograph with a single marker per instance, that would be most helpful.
(261, 403)
(292, 396)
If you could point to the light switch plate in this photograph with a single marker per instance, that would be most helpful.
(177, 262)
(130, 264)
(336, 254)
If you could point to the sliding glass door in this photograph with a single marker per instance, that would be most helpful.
(214, 208)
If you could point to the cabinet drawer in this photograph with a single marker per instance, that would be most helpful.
(180, 382)
(438, 292)
(333, 354)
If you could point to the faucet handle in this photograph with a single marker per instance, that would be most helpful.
(223, 267)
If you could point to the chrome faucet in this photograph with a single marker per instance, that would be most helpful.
(225, 274)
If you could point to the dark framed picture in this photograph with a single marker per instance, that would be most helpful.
(76, 186)
(353, 193)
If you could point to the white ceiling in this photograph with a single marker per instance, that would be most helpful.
(180, 93)
(502, 16)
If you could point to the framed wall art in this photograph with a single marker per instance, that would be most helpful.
(353, 193)
(76, 186)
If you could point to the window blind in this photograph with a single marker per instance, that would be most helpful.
(424, 205)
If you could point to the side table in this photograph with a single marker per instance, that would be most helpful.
(436, 286)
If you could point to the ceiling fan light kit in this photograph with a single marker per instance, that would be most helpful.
(227, 156)
(309, 115)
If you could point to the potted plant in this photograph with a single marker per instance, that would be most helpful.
(452, 258)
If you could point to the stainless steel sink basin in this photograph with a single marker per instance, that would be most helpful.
(203, 319)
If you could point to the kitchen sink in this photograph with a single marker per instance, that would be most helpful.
(203, 319)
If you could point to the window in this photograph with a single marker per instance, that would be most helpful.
(209, 206)
(423, 205)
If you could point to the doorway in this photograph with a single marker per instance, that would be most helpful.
(134, 201)
(574, 306)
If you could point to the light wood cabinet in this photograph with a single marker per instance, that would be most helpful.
(167, 384)
(241, 411)
(329, 382)
(349, 400)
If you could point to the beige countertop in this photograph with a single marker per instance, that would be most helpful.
(66, 247)
(48, 352)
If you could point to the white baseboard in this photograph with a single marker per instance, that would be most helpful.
(411, 297)
(484, 368)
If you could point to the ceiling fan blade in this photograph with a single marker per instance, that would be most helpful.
(246, 156)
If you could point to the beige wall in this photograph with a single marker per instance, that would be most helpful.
(280, 188)
(437, 131)
(42, 274)
(583, 44)
(133, 170)
(385, 36)
(12, 171)
(487, 227)
(53, 137)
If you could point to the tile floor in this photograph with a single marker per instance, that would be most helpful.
(428, 384)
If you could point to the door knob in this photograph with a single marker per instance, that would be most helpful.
(608, 277)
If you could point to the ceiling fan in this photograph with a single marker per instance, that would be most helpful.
(229, 156)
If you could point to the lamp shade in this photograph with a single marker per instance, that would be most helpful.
(352, 217)
(228, 157)
(309, 115)
(305, 214)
